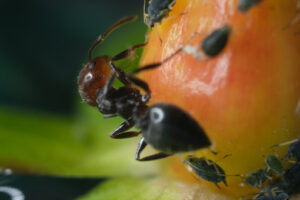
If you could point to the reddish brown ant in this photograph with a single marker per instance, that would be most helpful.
(158, 123)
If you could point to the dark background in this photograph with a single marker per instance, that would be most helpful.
(43, 45)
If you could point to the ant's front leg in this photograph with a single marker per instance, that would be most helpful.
(141, 146)
(155, 65)
(107, 86)
(128, 52)
(121, 75)
(119, 133)
(142, 84)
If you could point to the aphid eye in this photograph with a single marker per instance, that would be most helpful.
(156, 115)
(92, 65)
(88, 77)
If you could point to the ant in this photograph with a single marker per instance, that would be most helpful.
(212, 45)
(165, 127)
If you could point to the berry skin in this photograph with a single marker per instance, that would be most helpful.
(246, 96)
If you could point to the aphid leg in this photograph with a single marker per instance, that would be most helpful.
(160, 40)
(128, 52)
(155, 65)
(141, 146)
(219, 186)
(119, 133)
(285, 143)
(108, 31)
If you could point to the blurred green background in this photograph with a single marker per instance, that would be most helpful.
(45, 129)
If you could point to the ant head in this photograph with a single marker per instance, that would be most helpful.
(92, 78)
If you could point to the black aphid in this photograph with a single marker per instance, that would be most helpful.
(271, 194)
(274, 164)
(156, 10)
(245, 5)
(257, 178)
(294, 149)
(207, 169)
(214, 43)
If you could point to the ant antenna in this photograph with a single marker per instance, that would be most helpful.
(108, 31)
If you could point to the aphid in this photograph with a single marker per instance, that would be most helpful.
(207, 169)
(156, 11)
(257, 178)
(274, 164)
(215, 42)
(165, 127)
(290, 181)
(212, 45)
(294, 149)
(245, 5)
(271, 194)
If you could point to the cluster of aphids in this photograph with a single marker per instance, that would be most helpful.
(165, 127)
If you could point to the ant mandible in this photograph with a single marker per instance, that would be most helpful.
(165, 127)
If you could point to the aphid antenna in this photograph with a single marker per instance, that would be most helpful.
(158, 35)
(225, 156)
(101, 37)
(193, 50)
(293, 22)
(297, 110)
(285, 143)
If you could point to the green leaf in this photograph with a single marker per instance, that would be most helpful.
(152, 188)
(50, 144)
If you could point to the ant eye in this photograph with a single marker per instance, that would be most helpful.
(157, 115)
(92, 65)
(88, 77)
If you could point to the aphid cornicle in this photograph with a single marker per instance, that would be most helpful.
(207, 169)
(165, 127)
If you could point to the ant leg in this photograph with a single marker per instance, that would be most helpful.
(108, 31)
(119, 133)
(141, 146)
(109, 84)
(121, 75)
(155, 65)
(128, 52)
(105, 116)
(142, 84)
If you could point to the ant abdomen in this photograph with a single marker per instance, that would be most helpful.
(171, 130)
